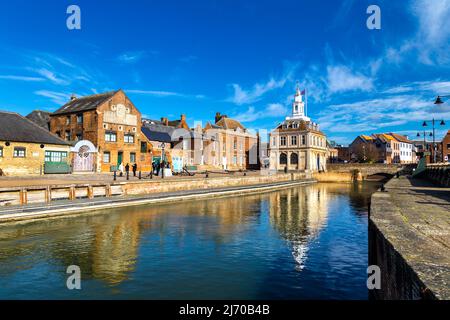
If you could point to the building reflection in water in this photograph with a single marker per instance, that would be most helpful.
(107, 246)
(298, 215)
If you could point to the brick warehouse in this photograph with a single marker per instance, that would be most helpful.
(105, 132)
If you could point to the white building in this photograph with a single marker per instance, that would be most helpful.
(297, 144)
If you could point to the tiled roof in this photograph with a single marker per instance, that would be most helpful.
(228, 123)
(41, 118)
(15, 128)
(85, 103)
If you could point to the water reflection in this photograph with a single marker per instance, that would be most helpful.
(299, 215)
(125, 245)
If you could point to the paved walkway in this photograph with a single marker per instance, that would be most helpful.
(414, 216)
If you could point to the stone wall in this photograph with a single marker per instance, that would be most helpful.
(139, 188)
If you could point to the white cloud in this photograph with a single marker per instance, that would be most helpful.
(242, 96)
(57, 97)
(131, 57)
(273, 110)
(342, 78)
(159, 93)
(21, 78)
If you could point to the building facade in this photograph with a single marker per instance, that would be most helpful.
(105, 131)
(228, 145)
(28, 149)
(297, 143)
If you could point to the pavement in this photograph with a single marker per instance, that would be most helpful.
(414, 216)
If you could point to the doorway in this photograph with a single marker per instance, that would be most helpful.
(119, 158)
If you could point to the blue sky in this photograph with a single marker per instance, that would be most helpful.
(241, 58)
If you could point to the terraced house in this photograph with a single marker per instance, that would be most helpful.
(104, 130)
(26, 148)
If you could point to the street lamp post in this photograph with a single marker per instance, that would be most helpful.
(433, 123)
(162, 146)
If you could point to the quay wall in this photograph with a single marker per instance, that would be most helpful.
(410, 264)
(12, 196)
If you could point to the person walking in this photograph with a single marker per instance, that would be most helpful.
(134, 169)
(127, 169)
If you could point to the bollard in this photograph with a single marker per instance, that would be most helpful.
(128, 175)
(115, 175)
(140, 175)
(245, 174)
(206, 174)
(151, 174)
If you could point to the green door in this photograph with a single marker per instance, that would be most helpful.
(119, 158)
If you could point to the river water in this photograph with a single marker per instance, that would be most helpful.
(306, 242)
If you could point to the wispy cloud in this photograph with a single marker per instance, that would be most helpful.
(342, 78)
(21, 78)
(57, 97)
(159, 93)
(131, 56)
(273, 110)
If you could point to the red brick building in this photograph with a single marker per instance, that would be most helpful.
(105, 131)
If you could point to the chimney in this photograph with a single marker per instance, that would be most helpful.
(73, 97)
(165, 121)
(218, 117)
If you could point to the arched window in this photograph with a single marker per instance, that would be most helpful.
(283, 158)
(294, 158)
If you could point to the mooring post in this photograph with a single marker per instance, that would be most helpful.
(140, 175)
(115, 175)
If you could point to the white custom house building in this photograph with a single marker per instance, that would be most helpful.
(297, 144)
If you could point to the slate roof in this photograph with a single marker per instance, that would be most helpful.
(228, 123)
(41, 118)
(16, 128)
(154, 135)
(85, 103)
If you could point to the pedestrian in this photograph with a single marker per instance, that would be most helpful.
(127, 169)
(134, 169)
(158, 167)
(121, 169)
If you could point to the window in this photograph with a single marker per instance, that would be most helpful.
(67, 135)
(448, 145)
(242, 160)
(303, 139)
(234, 160)
(283, 141)
(295, 125)
(79, 119)
(68, 120)
(1, 152)
(294, 140)
(274, 142)
(283, 158)
(55, 156)
(19, 152)
(132, 157)
(110, 136)
(128, 138)
(106, 157)
(240, 146)
(185, 144)
(235, 145)
(79, 136)
(143, 147)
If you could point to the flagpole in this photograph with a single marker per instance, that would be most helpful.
(306, 102)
